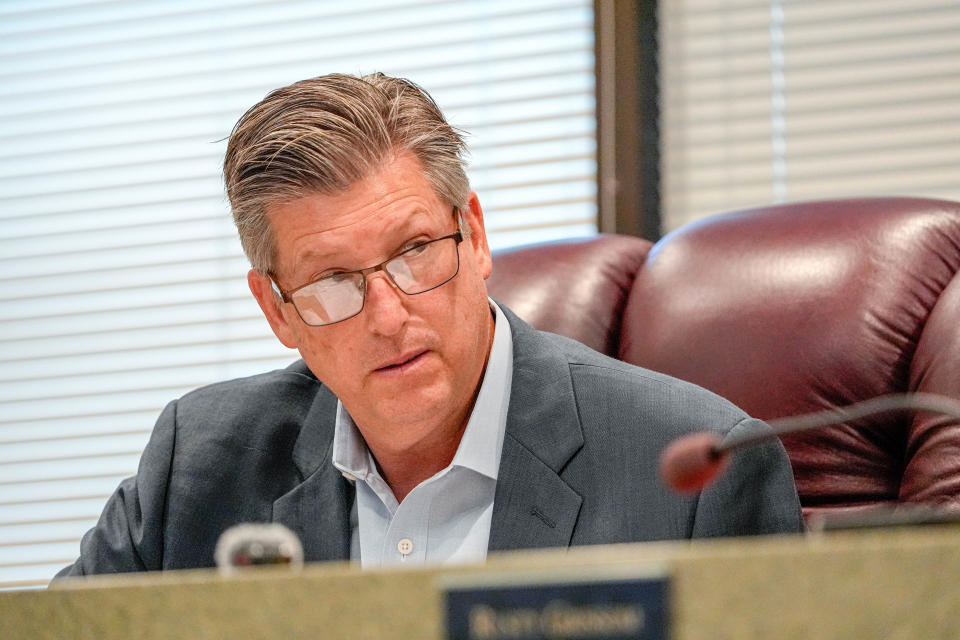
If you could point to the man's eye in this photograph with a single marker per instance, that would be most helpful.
(336, 278)
(416, 250)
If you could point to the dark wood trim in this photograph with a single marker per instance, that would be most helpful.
(628, 138)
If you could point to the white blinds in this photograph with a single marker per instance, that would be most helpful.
(767, 101)
(121, 280)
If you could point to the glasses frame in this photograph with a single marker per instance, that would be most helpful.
(286, 296)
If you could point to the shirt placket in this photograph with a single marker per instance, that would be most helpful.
(405, 541)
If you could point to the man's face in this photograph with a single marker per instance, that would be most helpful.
(406, 365)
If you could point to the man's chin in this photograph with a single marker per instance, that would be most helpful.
(415, 408)
(418, 406)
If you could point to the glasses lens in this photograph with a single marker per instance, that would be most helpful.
(331, 299)
(425, 266)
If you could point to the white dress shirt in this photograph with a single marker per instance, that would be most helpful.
(446, 518)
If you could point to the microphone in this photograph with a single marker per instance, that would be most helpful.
(245, 545)
(692, 462)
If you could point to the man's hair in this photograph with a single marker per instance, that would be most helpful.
(324, 134)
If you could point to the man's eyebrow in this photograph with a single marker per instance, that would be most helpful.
(315, 254)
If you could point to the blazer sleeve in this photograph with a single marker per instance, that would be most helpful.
(755, 494)
(129, 534)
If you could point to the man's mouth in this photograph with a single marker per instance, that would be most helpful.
(403, 361)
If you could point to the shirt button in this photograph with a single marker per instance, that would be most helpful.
(405, 546)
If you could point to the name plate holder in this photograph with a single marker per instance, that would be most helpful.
(558, 605)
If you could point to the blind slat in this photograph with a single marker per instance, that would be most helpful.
(806, 100)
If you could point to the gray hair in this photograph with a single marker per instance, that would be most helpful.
(324, 134)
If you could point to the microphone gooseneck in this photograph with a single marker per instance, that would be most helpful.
(692, 462)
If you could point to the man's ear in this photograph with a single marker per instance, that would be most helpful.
(271, 305)
(473, 217)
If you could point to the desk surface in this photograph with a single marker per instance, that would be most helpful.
(899, 583)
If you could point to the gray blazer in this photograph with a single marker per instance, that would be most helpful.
(579, 465)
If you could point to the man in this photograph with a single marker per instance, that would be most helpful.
(425, 422)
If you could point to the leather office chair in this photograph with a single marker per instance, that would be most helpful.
(783, 310)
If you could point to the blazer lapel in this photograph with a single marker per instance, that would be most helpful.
(318, 509)
(533, 506)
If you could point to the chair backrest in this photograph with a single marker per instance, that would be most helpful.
(800, 307)
(577, 288)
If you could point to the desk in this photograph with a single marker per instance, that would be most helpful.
(896, 583)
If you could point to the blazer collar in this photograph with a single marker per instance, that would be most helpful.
(534, 507)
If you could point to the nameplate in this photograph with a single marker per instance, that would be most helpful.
(555, 607)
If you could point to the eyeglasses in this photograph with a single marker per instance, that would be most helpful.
(340, 296)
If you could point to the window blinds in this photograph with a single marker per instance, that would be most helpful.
(768, 101)
(122, 283)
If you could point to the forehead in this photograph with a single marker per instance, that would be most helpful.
(361, 223)
(389, 231)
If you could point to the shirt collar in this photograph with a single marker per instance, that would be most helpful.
(482, 439)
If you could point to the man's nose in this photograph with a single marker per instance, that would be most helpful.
(385, 309)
